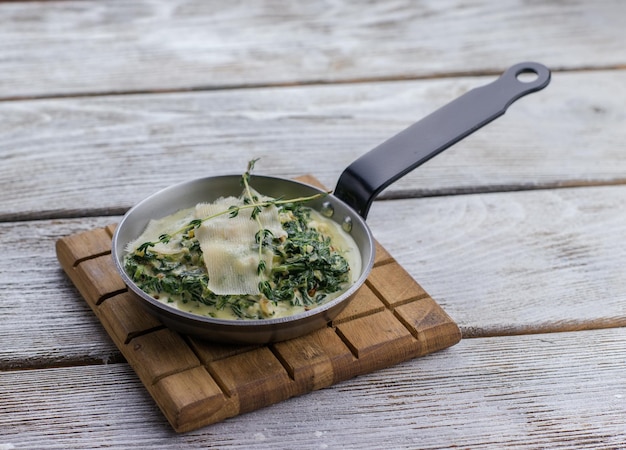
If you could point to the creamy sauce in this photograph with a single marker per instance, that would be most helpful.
(341, 242)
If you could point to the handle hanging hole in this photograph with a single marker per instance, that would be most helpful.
(527, 76)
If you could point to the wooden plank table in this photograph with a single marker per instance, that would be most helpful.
(517, 231)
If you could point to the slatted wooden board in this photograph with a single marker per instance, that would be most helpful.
(196, 383)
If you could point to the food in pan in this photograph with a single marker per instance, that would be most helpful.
(248, 257)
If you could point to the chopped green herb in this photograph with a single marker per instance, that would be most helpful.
(306, 267)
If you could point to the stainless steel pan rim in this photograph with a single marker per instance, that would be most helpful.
(187, 194)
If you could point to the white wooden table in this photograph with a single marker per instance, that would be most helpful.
(518, 232)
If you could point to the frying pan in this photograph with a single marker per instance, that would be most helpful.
(356, 189)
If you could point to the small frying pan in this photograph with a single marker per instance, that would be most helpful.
(356, 189)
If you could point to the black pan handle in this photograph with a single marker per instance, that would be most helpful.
(366, 177)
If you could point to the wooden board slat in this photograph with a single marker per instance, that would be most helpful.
(316, 360)
(104, 154)
(133, 46)
(503, 263)
(515, 263)
(556, 390)
(232, 380)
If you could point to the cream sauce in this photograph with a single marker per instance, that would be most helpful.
(341, 241)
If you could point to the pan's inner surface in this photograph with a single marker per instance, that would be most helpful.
(189, 194)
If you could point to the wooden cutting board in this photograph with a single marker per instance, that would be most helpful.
(196, 383)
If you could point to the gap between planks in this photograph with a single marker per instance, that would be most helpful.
(385, 196)
(293, 83)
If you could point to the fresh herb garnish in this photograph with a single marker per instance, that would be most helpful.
(306, 269)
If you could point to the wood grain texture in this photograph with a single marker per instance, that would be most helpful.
(523, 262)
(251, 377)
(308, 87)
(502, 263)
(98, 156)
(542, 391)
(75, 47)
(43, 320)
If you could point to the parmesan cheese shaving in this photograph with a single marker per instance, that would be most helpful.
(229, 247)
(156, 228)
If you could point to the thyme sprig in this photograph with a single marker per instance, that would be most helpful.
(263, 236)
(306, 270)
(306, 266)
(250, 202)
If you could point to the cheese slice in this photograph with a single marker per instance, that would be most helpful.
(230, 251)
(166, 225)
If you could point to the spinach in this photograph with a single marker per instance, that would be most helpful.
(306, 269)
(306, 265)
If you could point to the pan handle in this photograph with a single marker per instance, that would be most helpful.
(366, 177)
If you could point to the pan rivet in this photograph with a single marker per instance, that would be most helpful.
(347, 224)
(327, 209)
